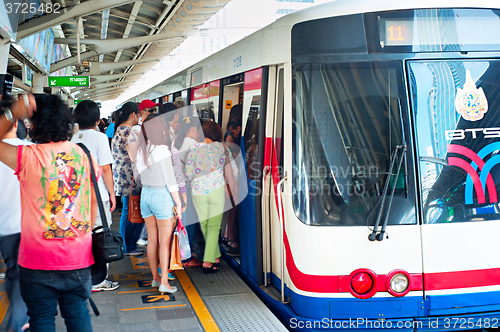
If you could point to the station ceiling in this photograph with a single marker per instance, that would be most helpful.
(121, 38)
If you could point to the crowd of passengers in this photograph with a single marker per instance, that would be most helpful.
(176, 163)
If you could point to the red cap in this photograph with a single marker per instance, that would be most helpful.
(146, 103)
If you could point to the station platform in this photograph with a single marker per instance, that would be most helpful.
(204, 302)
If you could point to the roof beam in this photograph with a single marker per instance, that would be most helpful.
(45, 22)
(89, 92)
(107, 66)
(109, 45)
(104, 78)
(104, 29)
(130, 24)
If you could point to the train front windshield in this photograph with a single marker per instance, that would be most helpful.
(349, 125)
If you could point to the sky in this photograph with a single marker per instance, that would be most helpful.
(239, 18)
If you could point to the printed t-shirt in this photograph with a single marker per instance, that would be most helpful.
(56, 201)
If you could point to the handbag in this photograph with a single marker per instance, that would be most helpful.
(175, 253)
(226, 177)
(184, 247)
(134, 207)
(107, 246)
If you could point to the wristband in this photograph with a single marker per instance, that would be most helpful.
(8, 115)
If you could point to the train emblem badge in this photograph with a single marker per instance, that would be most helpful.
(470, 101)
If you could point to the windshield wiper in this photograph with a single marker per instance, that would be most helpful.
(375, 235)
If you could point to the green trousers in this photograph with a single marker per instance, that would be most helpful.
(210, 209)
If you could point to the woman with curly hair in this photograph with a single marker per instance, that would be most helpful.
(55, 253)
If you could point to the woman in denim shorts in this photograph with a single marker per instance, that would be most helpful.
(160, 193)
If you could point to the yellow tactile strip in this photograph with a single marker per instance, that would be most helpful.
(199, 307)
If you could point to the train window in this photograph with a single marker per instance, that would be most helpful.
(458, 134)
(251, 139)
(347, 123)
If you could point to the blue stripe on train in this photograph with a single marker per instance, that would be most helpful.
(317, 307)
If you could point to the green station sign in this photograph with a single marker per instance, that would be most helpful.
(77, 101)
(60, 81)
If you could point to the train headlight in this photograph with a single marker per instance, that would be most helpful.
(398, 283)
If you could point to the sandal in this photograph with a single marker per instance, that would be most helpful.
(233, 244)
(212, 269)
(224, 240)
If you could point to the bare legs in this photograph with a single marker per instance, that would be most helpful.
(159, 239)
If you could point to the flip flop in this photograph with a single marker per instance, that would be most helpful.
(193, 263)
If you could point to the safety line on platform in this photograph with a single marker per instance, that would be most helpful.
(4, 305)
(138, 291)
(159, 307)
(194, 298)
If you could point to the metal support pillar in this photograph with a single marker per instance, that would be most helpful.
(4, 56)
(38, 83)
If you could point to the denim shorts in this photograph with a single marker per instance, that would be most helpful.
(156, 201)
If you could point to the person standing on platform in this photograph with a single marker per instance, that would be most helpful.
(110, 131)
(172, 117)
(59, 209)
(160, 193)
(124, 150)
(87, 116)
(189, 134)
(205, 167)
(146, 107)
(10, 230)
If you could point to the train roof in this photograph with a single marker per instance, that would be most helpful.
(272, 44)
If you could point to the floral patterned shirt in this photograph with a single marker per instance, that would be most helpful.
(122, 164)
(205, 167)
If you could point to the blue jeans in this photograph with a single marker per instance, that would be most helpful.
(9, 246)
(42, 290)
(130, 232)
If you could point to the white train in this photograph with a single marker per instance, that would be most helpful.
(371, 140)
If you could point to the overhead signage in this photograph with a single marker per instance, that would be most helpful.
(63, 81)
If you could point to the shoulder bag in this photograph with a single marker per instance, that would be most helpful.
(134, 207)
(107, 246)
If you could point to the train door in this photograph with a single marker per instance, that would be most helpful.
(274, 160)
(455, 105)
(232, 95)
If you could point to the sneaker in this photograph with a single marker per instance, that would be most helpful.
(142, 242)
(136, 252)
(106, 285)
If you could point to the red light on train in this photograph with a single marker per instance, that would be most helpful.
(362, 283)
